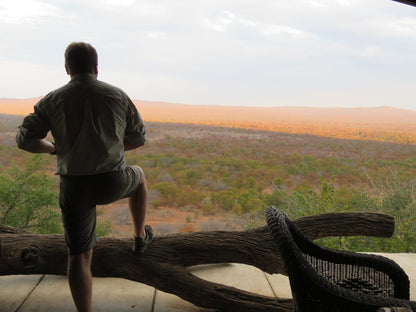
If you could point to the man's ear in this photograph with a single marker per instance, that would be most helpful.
(96, 70)
(67, 70)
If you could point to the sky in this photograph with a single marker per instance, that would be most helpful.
(323, 53)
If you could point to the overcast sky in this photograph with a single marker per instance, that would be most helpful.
(345, 53)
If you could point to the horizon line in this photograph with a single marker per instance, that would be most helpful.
(240, 105)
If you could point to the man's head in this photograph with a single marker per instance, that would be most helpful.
(81, 57)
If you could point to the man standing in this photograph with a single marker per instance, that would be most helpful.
(92, 123)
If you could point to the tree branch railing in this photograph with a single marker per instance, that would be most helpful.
(164, 265)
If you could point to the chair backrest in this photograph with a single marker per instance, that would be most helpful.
(296, 266)
(322, 279)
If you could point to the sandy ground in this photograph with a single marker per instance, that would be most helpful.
(167, 220)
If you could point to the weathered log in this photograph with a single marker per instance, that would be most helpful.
(164, 266)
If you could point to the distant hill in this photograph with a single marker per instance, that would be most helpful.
(17, 106)
(161, 111)
(173, 112)
(359, 123)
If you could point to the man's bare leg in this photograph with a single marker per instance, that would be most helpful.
(80, 280)
(138, 207)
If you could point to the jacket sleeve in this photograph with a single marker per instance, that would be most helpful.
(35, 127)
(135, 133)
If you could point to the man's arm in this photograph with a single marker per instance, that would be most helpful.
(32, 132)
(44, 146)
(135, 133)
(130, 147)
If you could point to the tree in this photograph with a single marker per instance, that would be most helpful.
(28, 198)
(168, 191)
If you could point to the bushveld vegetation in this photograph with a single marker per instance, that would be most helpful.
(214, 170)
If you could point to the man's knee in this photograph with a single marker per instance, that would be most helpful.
(81, 259)
(142, 178)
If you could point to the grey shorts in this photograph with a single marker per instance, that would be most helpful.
(79, 195)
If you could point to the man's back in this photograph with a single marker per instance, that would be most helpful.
(90, 122)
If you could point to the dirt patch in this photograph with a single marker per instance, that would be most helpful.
(166, 220)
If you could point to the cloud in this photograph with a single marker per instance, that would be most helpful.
(405, 27)
(21, 11)
(23, 76)
(214, 52)
(241, 26)
(130, 9)
(118, 3)
(330, 3)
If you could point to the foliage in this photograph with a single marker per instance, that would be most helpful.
(104, 228)
(244, 171)
(389, 196)
(28, 198)
(235, 171)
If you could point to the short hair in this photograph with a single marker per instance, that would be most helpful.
(80, 57)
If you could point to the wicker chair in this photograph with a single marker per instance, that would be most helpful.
(323, 279)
